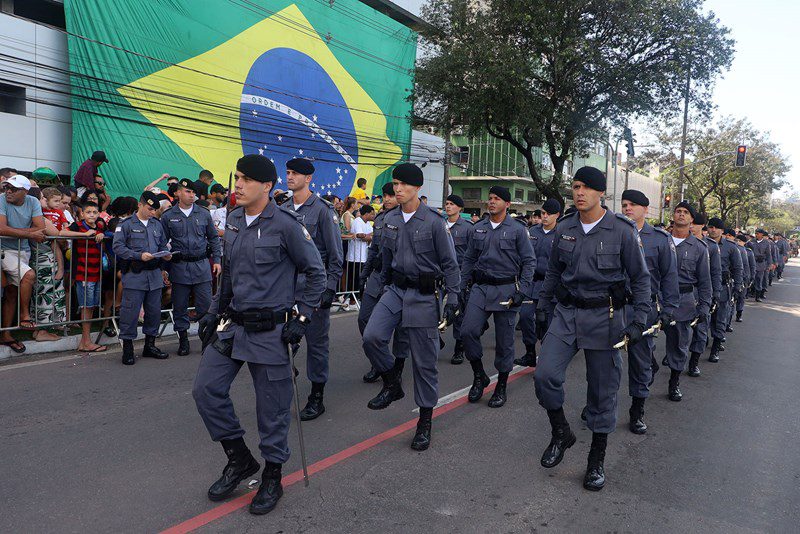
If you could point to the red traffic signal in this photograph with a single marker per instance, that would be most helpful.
(741, 154)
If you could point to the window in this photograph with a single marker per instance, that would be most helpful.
(471, 193)
(532, 195)
(44, 11)
(12, 99)
(461, 155)
(518, 195)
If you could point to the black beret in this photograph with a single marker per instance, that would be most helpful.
(150, 198)
(218, 188)
(537, 213)
(741, 237)
(257, 167)
(716, 222)
(551, 206)
(700, 219)
(501, 192)
(570, 210)
(688, 207)
(187, 183)
(637, 197)
(408, 173)
(387, 189)
(301, 165)
(592, 177)
(761, 231)
(457, 200)
(729, 231)
(203, 203)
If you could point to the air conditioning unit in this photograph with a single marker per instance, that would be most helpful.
(457, 130)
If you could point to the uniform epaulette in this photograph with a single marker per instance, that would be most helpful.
(626, 219)
(661, 230)
(233, 210)
(703, 241)
(330, 205)
(566, 216)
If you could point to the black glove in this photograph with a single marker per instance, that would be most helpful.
(207, 328)
(327, 299)
(541, 324)
(516, 299)
(450, 312)
(633, 332)
(665, 318)
(294, 330)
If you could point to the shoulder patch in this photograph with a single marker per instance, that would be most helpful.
(625, 218)
(306, 234)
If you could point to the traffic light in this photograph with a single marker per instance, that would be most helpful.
(741, 154)
(667, 199)
(628, 135)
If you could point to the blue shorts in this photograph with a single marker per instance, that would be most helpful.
(88, 294)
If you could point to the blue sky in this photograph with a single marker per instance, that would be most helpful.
(764, 81)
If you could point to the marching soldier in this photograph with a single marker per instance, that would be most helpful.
(701, 330)
(763, 254)
(418, 259)
(373, 287)
(193, 238)
(730, 235)
(595, 251)
(749, 267)
(319, 218)
(498, 267)
(731, 262)
(461, 231)
(782, 247)
(542, 236)
(265, 248)
(659, 254)
(694, 284)
(137, 242)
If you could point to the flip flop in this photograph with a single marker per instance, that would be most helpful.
(16, 346)
(99, 348)
(27, 324)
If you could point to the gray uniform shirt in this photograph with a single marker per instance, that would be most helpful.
(131, 239)
(763, 254)
(693, 269)
(715, 267)
(659, 254)
(751, 260)
(542, 244)
(322, 223)
(191, 236)
(731, 261)
(461, 231)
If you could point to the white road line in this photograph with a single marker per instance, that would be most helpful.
(450, 397)
(41, 362)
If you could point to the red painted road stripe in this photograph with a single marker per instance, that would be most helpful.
(243, 500)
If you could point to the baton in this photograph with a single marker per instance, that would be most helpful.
(508, 303)
(292, 350)
(443, 325)
(694, 322)
(649, 332)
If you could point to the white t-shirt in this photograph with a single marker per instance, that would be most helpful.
(357, 249)
(407, 216)
(297, 206)
(250, 218)
(450, 224)
(70, 218)
(588, 227)
(547, 231)
(186, 212)
(678, 240)
(495, 225)
(144, 221)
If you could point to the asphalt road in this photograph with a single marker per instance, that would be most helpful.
(87, 445)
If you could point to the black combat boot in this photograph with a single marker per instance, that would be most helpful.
(675, 394)
(694, 370)
(499, 396)
(562, 439)
(636, 412)
(759, 296)
(458, 353)
(183, 343)
(151, 351)
(422, 438)
(314, 407)
(479, 383)
(738, 316)
(595, 477)
(529, 359)
(654, 367)
(269, 492)
(664, 361)
(372, 376)
(728, 329)
(390, 392)
(716, 347)
(241, 465)
(399, 365)
(127, 352)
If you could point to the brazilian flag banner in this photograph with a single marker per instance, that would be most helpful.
(176, 86)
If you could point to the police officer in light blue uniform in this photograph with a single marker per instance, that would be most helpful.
(731, 262)
(135, 241)
(749, 267)
(419, 262)
(694, 283)
(764, 260)
(659, 254)
(461, 231)
(498, 267)
(265, 249)
(321, 221)
(542, 237)
(595, 252)
(373, 288)
(701, 330)
(192, 238)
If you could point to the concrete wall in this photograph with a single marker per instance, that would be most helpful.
(43, 136)
(646, 184)
(429, 149)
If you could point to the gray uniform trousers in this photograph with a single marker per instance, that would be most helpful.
(273, 390)
(527, 322)
(603, 374)
(761, 280)
(317, 345)
(700, 336)
(400, 347)
(640, 357)
(678, 338)
(180, 302)
(423, 344)
(474, 318)
(132, 301)
(740, 299)
(719, 319)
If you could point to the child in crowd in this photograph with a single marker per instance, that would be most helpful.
(87, 259)
(49, 298)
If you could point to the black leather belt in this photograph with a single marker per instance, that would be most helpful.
(538, 277)
(259, 320)
(482, 278)
(189, 259)
(686, 288)
(425, 284)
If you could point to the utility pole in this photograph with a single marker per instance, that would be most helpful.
(446, 180)
(685, 127)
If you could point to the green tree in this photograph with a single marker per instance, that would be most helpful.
(554, 73)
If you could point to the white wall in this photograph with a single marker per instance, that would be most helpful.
(426, 147)
(43, 137)
(647, 185)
